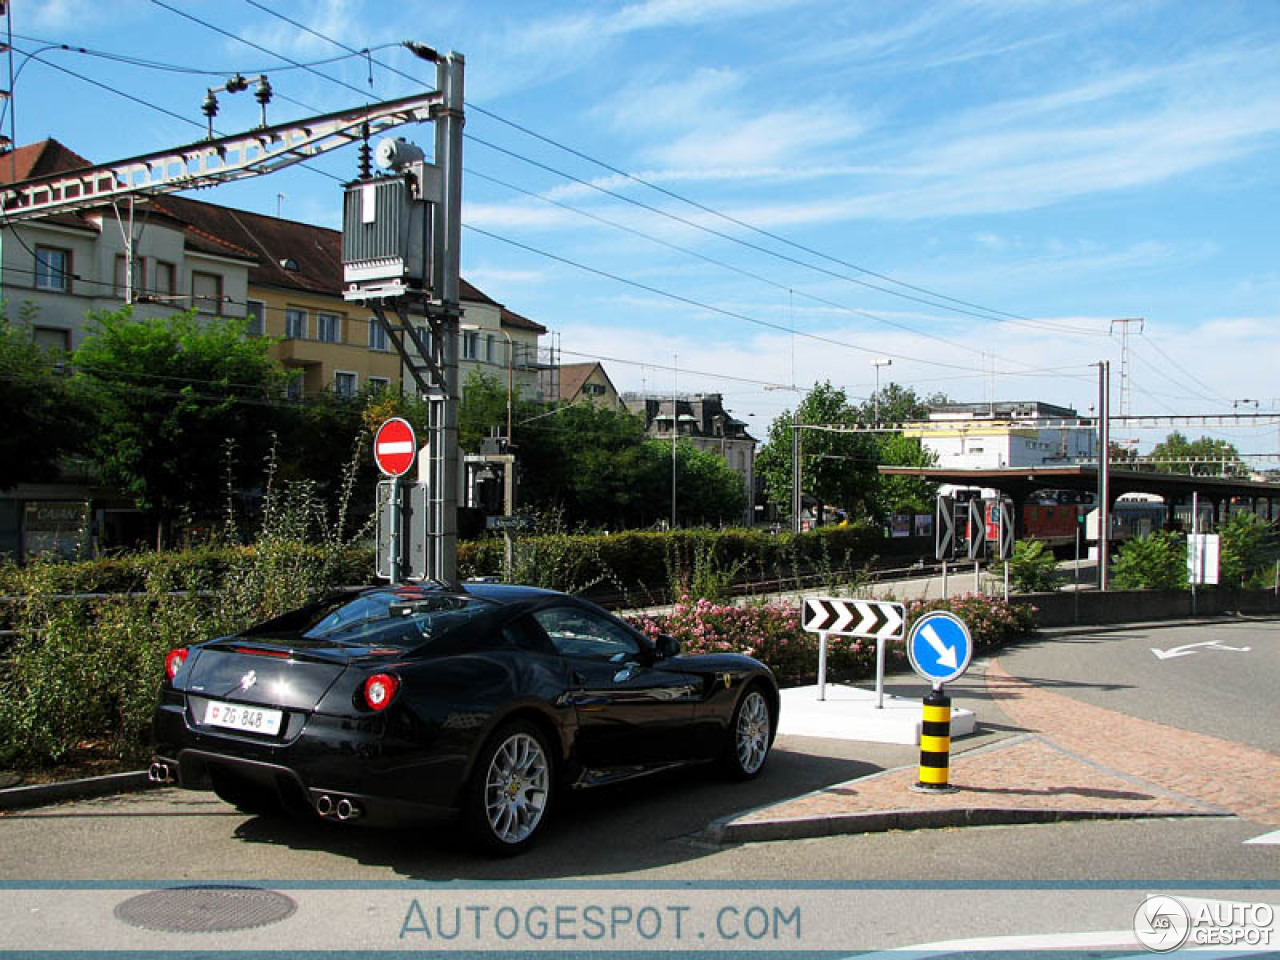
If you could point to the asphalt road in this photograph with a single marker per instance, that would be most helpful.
(1219, 680)
(650, 832)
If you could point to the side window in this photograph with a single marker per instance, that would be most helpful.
(580, 633)
(524, 633)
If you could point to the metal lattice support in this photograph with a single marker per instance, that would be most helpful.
(210, 162)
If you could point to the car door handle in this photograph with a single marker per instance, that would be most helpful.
(577, 679)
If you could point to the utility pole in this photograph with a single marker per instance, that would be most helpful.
(797, 499)
(883, 362)
(1125, 324)
(675, 425)
(1104, 470)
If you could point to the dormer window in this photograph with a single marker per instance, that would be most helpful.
(288, 263)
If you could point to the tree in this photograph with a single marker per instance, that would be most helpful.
(708, 491)
(482, 412)
(44, 415)
(1206, 457)
(586, 461)
(902, 494)
(601, 468)
(170, 395)
(836, 468)
(896, 404)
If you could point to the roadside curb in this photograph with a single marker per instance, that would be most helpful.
(36, 794)
(725, 831)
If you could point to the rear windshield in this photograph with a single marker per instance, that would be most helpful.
(397, 618)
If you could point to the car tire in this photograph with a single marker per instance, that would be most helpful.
(511, 790)
(246, 797)
(750, 734)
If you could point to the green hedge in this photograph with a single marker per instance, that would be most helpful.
(649, 559)
(83, 672)
(771, 633)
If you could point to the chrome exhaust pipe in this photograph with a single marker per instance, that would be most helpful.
(159, 773)
(324, 805)
(347, 810)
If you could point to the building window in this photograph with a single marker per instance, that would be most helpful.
(206, 291)
(377, 335)
(378, 384)
(295, 323)
(344, 383)
(470, 344)
(293, 390)
(166, 278)
(53, 269)
(489, 354)
(55, 341)
(255, 314)
(139, 276)
(328, 327)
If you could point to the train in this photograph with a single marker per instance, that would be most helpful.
(1057, 517)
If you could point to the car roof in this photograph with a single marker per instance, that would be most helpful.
(499, 593)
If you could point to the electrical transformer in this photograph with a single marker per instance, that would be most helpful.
(387, 233)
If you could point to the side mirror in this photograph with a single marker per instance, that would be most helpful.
(667, 647)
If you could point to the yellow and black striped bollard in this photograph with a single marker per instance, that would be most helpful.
(935, 743)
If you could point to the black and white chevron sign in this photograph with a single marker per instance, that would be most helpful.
(881, 619)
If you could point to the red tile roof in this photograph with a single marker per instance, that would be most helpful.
(512, 319)
(283, 253)
(38, 160)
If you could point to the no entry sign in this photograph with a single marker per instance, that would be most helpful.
(395, 447)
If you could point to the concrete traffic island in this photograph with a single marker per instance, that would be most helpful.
(1066, 760)
(851, 713)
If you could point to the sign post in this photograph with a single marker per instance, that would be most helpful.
(880, 619)
(394, 450)
(939, 647)
(945, 535)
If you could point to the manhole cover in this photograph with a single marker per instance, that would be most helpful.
(205, 909)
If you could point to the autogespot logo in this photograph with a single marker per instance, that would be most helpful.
(1162, 923)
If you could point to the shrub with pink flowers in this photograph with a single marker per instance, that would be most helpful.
(771, 632)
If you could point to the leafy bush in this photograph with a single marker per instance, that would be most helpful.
(87, 669)
(1248, 551)
(643, 561)
(1032, 567)
(1156, 561)
(771, 632)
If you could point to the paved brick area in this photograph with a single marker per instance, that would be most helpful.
(1071, 760)
(1237, 778)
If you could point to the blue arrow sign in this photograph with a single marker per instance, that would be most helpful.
(939, 647)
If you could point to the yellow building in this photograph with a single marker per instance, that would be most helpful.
(295, 297)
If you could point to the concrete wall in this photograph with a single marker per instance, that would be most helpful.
(1064, 609)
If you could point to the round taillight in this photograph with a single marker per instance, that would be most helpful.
(174, 661)
(379, 690)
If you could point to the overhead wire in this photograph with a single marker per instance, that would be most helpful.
(529, 248)
(259, 47)
(352, 51)
(986, 312)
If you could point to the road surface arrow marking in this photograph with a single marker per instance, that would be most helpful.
(946, 655)
(1189, 648)
(1273, 837)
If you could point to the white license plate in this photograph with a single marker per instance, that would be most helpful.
(235, 716)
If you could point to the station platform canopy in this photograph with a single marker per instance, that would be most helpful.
(1018, 483)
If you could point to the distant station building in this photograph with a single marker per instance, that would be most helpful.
(985, 436)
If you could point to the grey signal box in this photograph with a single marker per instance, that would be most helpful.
(387, 233)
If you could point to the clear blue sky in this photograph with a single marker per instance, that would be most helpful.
(1048, 166)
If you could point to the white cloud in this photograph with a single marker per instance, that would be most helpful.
(343, 20)
(49, 15)
(1256, 330)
